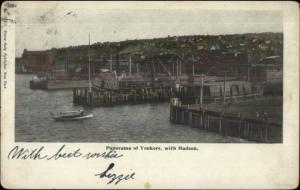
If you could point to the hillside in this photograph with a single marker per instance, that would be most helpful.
(263, 44)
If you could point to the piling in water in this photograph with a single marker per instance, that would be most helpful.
(226, 124)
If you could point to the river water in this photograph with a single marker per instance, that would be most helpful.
(145, 123)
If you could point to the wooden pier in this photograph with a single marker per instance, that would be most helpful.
(113, 92)
(109, 97)
(58, 84)
(260, 129)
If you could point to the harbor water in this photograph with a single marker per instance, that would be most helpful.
(144, 123)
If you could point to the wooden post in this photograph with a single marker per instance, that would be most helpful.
(137, 69)
(247, 130)
(74, 95)
(90, 98)
(177, 67)
(90, 85)
(201, 119)
(180, 68)
(224, 126)
(220, 125)
(129, 64)
(176, 115)
(201, 92)
(111, 62)
(193, 66)
(248, 73)
(173, 69)
(224, 92)
(266, 133)
(118, 64)
(240, 125)
(190, 118)
(182, 65)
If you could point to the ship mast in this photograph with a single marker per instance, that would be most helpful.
(90, 86)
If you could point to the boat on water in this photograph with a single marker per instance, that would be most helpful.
(79, 114)
(72, 115)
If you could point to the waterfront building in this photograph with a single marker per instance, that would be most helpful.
(37, 61)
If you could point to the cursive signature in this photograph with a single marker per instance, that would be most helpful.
(114, 177)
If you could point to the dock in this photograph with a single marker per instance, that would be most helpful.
(115, 92)
(235, 124)
(109, 97)
(58, 84)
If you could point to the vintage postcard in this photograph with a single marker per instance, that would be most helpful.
(154, 95)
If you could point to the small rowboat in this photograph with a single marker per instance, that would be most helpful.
(72, 115)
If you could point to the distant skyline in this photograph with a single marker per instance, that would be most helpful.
(55, 25)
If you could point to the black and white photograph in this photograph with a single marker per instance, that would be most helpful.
(180, 81)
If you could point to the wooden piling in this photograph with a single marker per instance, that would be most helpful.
(228, 125)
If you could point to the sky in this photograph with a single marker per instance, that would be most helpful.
(41, 26)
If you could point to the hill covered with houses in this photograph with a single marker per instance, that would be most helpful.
(204, 48)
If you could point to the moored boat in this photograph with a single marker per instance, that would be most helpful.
(72, 115)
